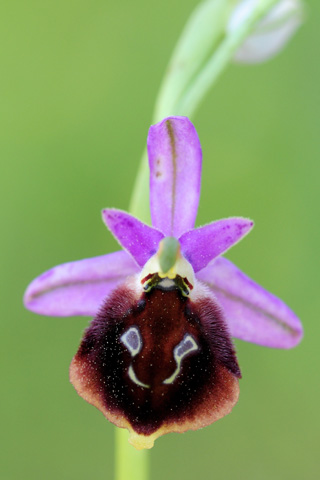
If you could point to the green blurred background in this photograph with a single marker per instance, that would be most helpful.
(78, 85)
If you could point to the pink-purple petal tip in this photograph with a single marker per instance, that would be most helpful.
(252, 313)
(140, 240)
(202, 245)
(78, 288)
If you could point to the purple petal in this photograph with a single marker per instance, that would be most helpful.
(175, 160)
(252, 313)
(78, 288)
(140, 240)
(203, 244)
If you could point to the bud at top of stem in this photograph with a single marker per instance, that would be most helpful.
(270, 34)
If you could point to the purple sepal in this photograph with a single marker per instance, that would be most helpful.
(252, 313)
(175, 160)
(202, 245)
(78, 288)
(140, 240)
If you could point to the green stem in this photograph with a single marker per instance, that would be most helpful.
(220, 59)
(130, 464)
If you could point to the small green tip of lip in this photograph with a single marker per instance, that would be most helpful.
(168, 253)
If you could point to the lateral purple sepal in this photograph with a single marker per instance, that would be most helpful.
(140, 240)
(175, 160)
(252, 313)
(201, 245)
(78, 288)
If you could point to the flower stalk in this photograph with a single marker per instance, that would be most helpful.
(130, 464)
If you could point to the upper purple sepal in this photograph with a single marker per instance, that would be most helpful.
(175, 160)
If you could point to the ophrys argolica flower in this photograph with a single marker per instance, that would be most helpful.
(158, 355)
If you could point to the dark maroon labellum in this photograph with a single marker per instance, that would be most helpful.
(157, 360)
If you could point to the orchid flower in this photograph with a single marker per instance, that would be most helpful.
(158, 355)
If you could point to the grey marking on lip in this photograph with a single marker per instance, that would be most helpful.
(132, 340)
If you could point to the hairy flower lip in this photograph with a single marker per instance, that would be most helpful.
(143, 386)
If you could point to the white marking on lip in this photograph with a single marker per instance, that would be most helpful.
(132, 340)
(180, 351)
(134, 378)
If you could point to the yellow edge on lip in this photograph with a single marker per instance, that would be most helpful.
(86, 388)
